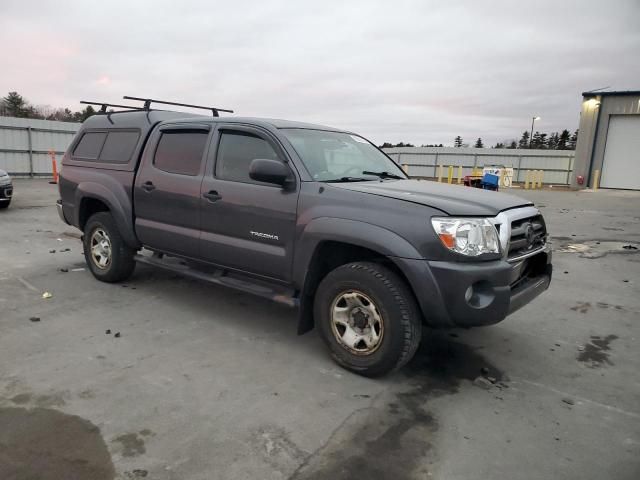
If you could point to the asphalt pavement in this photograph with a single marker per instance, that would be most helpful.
(168, 378)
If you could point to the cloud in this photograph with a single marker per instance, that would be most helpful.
(418, 71)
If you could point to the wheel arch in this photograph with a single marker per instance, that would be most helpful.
(329, 243)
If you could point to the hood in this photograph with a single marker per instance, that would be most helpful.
(451, 199)
(3, 173)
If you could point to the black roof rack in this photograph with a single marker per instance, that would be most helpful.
(148, 101)
(103, 105)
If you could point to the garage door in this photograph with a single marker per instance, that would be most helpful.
(621, 168)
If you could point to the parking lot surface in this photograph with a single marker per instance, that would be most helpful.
(167, 378)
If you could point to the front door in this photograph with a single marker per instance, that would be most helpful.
(247, 225)
(167, 189)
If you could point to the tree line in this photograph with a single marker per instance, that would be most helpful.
(15, 105)
(564, 140)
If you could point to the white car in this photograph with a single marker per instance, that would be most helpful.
(6, 189)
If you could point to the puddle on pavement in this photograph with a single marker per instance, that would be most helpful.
(599, 248)
(595, 353)
(46, 444)
(398, 424)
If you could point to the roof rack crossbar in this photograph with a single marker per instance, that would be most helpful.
(103, 105)
(148, 101)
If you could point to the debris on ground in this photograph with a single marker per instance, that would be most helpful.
(46, 295)
(64, 270)
(108, 331)
(117, 335)
(630, 247)
(52, 250)
(581, 348)
(482, 383)
(34, 319)
(81, 269)
(568, 401)
(65, 250)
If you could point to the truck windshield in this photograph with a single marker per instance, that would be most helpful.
(340, 157)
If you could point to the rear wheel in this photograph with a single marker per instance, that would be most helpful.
(4, 205)
(368, 318)
(106, 254)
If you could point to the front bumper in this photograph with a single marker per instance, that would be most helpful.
(469, 295)
(6, 192)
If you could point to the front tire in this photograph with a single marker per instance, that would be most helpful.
(4, 205)
(107, 255)
(368, 317)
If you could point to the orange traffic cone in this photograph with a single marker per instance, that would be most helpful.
(54, 167)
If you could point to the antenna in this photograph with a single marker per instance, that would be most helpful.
(148, 101)
(103, 105)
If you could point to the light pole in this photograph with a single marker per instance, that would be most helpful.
(533, 120)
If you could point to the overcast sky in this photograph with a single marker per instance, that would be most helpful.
(392, 70)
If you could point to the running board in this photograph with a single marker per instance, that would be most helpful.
(277, 293)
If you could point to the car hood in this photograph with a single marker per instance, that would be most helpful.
(3, 173)
(451, 199)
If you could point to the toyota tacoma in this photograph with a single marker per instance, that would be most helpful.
(311, 216)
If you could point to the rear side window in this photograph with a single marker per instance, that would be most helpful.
(90, 145)
(236, 152)
(181, 151)
(119, 147)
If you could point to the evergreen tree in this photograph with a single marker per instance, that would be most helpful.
(573, 141)
(384, 145)
(15, 105)
(563, 140)
(457, 142)
(524, 140)
(554, 139)
(513, 145)
(479, 143)
(499, 145)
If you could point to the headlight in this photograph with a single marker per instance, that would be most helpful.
(5, 180)
(468, 236)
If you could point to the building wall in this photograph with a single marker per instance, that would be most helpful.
(25, 144)
(425, 161)
(594, 127)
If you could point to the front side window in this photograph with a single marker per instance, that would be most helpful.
(181, 151)
(337, 156)
(89, 146)
(236, 152)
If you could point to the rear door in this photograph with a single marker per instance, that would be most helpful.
(167, 189)
(247, 225)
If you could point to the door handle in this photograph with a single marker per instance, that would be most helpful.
(212, 196)
(148, 186)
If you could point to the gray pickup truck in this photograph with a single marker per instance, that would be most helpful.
(310, 216)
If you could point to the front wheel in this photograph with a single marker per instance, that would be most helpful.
(107, 255)
(368, 317)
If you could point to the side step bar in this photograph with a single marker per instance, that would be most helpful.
(278, 293)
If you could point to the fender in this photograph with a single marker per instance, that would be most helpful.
(115, 197)
(362, 234)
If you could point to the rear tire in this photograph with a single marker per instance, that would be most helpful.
(368, 317)
(107, 255)
(4, 205)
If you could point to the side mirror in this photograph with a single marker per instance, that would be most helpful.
(269, 171)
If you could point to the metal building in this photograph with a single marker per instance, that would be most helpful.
(608, 147)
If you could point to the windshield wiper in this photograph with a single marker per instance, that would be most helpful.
(347, 179)
(383, 175)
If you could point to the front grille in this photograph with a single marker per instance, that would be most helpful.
(527, 235)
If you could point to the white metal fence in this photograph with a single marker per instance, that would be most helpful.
(425, 161)
(25, 144)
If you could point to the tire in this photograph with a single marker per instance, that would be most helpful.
(119, 264)
(393, 318)
(4, 205)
